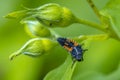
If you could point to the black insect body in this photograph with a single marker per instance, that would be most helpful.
(73, 47)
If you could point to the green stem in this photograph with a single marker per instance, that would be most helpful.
(92, 37)
(113, 32)
(91, 24)
(109, 29)
(94, 9)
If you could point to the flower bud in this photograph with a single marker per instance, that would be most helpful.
(35, 29)
(35, 47)
(53, 15)
(19, 14)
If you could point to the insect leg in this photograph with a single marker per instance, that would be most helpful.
(85, 50)
(74, 60)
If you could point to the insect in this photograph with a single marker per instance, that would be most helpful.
(72, 47)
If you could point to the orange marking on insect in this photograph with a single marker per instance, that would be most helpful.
(69, 49)
(74, 42)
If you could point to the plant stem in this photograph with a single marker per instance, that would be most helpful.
(91, 24)
(110, 30)
(94, 9)
(92, 37)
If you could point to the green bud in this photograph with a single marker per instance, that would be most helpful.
(35, 29)
(35, 47)
(49, 11)
(19, 14)
(67, 18)
(53, 15)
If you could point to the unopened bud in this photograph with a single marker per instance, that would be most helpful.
(51, 15)
(35, 29)
(54, 15)
(35, 47)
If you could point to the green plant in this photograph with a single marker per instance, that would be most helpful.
(53, 15)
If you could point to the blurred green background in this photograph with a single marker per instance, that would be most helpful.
(101, 61)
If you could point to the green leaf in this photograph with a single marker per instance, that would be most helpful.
(115, 75)
(64, 72)
(112, 12)
(89, 75)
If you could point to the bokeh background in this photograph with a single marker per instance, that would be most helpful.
(101, 61)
